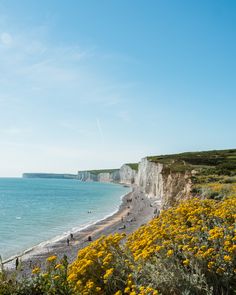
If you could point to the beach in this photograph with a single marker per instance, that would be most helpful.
(136, 209)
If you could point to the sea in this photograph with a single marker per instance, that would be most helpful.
(34, 210)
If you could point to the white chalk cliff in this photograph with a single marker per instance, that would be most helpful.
(168, 187)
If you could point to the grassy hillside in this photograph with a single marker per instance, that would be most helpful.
(219, 162)
(213, 173)
(133, 166)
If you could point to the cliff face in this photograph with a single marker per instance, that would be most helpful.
(168, 187)
(87, 176)
(127, 175)
(177, 187)
(124, 175)
(152, 178)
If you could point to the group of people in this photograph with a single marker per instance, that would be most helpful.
(68, 240)
(71, 239)
(89, 239)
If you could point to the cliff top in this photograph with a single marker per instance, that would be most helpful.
(219, 162)
(96, 172)
(133, 166)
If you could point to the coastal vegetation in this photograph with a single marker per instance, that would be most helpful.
(133, 166)
(188, 249)
(216, 162)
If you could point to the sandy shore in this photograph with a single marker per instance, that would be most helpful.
(136, 209)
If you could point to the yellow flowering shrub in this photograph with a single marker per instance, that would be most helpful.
(198, 234)
(196, 238)
(53, 280)
(100, 267)
(188, 249)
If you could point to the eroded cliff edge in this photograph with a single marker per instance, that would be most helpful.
(159, 182)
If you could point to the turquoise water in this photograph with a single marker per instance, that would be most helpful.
(35, 210)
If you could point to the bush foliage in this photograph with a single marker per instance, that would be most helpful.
(188, 249)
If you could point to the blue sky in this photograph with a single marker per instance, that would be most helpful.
(94, 84)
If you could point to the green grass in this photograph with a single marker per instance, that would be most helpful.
(133, 166)
(219, 162)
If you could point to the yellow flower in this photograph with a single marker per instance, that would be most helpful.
(170, 253)
(186, 262)
(227, 243)
(72, 277)
(108, 273)
(129, 283)
(101, 253)
(227, 258)
(59, 266)
(90, 284)
(210, 264)
(52, 258)
(220, 270)
(36, 270)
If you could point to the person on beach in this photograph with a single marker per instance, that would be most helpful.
(122, 227)
(1, 264)
(71, 237)
(89, 238)
(68, 242)
(17, 262)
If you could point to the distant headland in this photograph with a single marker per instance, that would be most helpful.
(49, 175)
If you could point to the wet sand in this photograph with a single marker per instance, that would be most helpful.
(136, 209)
